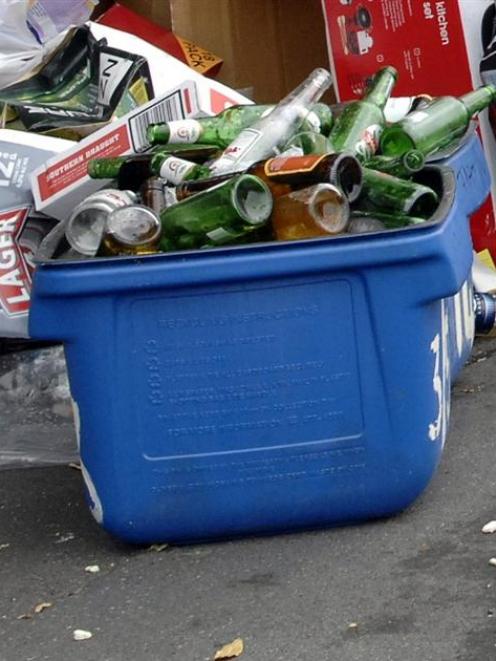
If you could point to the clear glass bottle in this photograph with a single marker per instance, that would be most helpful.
(268, 135)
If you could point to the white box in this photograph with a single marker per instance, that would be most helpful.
(62, 181)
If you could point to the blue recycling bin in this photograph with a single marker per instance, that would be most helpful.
(271, 387)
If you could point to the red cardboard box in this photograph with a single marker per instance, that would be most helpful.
(434, 44)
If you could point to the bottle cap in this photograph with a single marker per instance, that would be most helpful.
(252, 199)
(133, 225)
(85, 226)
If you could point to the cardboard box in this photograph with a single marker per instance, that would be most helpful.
(268, 47)
(62, 181)
(436, 47)
(123, 18)
(20, 234)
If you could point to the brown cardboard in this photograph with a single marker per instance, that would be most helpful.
(268, 46)
(156, 10)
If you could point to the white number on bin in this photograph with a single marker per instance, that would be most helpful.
(461, 308)
(441, 379)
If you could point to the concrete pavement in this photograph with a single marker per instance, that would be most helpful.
(415, 587)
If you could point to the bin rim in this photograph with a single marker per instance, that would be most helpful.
(439, 216)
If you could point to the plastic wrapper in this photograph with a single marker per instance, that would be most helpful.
(35, 408)
(84, 85)
(31, 30)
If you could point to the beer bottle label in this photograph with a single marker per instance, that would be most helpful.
(368, 145)
(174, 170)
(236, 150)
(184, 130)
(283, 165)
(313, 120)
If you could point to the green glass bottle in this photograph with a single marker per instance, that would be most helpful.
(403, 166)
(402, 196)
(220, 130)
(307, 142)
(176, 170)
(109, 168)
(217, 216)
(358, 127)
(435, 125)
(391, 221)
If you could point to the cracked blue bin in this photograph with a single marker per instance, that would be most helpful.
(267, 388)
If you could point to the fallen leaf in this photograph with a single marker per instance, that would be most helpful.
(92, 569)
(24, 616)
(4, 546)
(158, 547)
(489, 527)
(75, 466)
(81, 634)
(39, 608)
(230, 651)
(492, 561)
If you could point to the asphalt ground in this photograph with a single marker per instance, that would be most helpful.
(418, 586)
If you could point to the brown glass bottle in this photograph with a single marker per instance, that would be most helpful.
(285, 173)
(152, 194)
(188, 188)
(318, 210)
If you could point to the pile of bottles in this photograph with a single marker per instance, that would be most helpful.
(296, 170)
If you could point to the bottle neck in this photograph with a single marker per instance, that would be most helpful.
(479, 99)
(381, 88)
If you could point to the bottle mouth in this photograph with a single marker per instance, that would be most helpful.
(321, 78)
(414, 160)
(395, 142)
(84, 230)
(252, 199)
(346, 173)
(422, 204)
(133, 225)
(329, 208)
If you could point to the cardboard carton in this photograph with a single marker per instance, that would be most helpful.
(436, 47)
(20, 233)
(62, 181)
(268, 47)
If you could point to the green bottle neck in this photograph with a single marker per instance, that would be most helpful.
(479, 99)
(382, 86)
